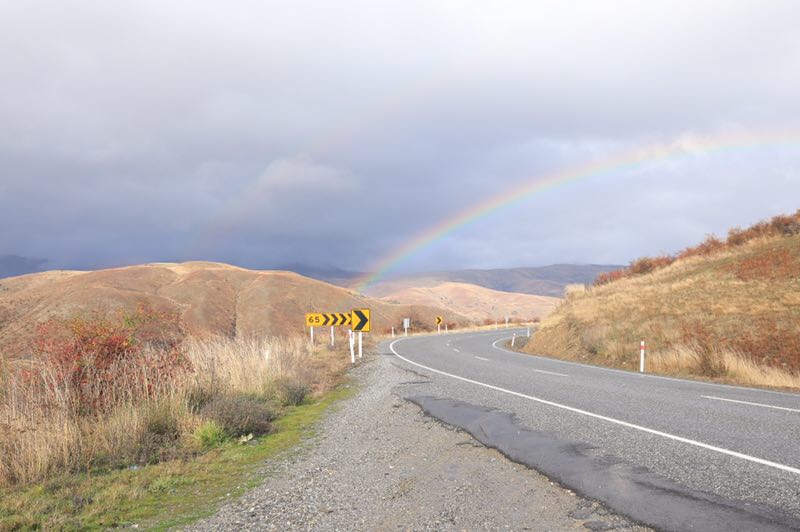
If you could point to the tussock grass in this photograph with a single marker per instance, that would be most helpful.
(731, 315)
(152, 419)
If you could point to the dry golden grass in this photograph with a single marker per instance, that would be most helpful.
(731, 316)
(42, 434)
(736, 367)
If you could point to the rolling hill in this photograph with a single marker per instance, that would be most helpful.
(543, 281)
(209, 298)
(726, 309)
(475, 302)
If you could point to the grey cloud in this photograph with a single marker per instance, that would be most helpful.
(266, 133)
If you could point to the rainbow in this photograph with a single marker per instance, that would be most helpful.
(625, 160)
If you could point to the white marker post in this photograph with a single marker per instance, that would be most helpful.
(445, 328)
(529, 332)
(360, 354)
(332, 336)
(513, 339)
(506, 322)
(352, 352)
(641, 357)
(406, 324)
(392, 332)
(495, 325)
(312, 334)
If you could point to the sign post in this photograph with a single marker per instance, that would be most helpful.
(439, 324)
(360, 323)
(319, 319)
(352, 342)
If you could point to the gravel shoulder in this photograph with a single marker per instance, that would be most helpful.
(379, 463)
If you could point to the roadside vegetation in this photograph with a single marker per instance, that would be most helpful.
(725, 310)
(111, 421)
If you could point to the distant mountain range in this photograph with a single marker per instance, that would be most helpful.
(13, 265)
(540, 280)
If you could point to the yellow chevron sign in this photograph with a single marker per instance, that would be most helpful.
(361, 321)
(439, 320)
(322, 319)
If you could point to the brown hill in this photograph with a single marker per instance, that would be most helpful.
(209, 298)
(475, 302)
(724, 310)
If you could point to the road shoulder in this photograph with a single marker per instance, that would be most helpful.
(380, 463)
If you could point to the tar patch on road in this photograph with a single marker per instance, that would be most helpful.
(630, 490)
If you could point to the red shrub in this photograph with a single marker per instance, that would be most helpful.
(709, 246)
(609, 277)
(101, 362)
(773, 264)
(764, 341)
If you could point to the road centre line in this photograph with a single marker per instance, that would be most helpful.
(749, 403)
(456, 350)
(481, 358)
(635, 374)
(681, 439)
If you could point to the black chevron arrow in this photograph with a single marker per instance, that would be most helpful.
(346, 318)
(360, 320)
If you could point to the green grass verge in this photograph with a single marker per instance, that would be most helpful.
(163, 495)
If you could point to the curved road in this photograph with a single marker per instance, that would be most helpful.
(670, 453)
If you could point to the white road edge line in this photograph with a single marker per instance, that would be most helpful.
(456, 350)
(550, 372)
(749, 403)
(481, 358)
(681, 439)
(634, 374)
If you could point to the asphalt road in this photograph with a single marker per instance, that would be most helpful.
(670, 453)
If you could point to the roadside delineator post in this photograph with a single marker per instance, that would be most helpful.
(529, 332)
(312, 334)
(641, 357)
(445, 328)
(506, 322)
(392, 332)
(331, 335)
(513, 339)
(352, 340)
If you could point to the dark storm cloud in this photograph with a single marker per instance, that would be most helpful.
(329, 133)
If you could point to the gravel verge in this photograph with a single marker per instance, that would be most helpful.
(379, 463)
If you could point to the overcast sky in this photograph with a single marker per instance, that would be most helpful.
(330, 132)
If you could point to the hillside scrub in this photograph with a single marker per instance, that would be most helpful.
(100, 394)
(731, 315)
(779, 226)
